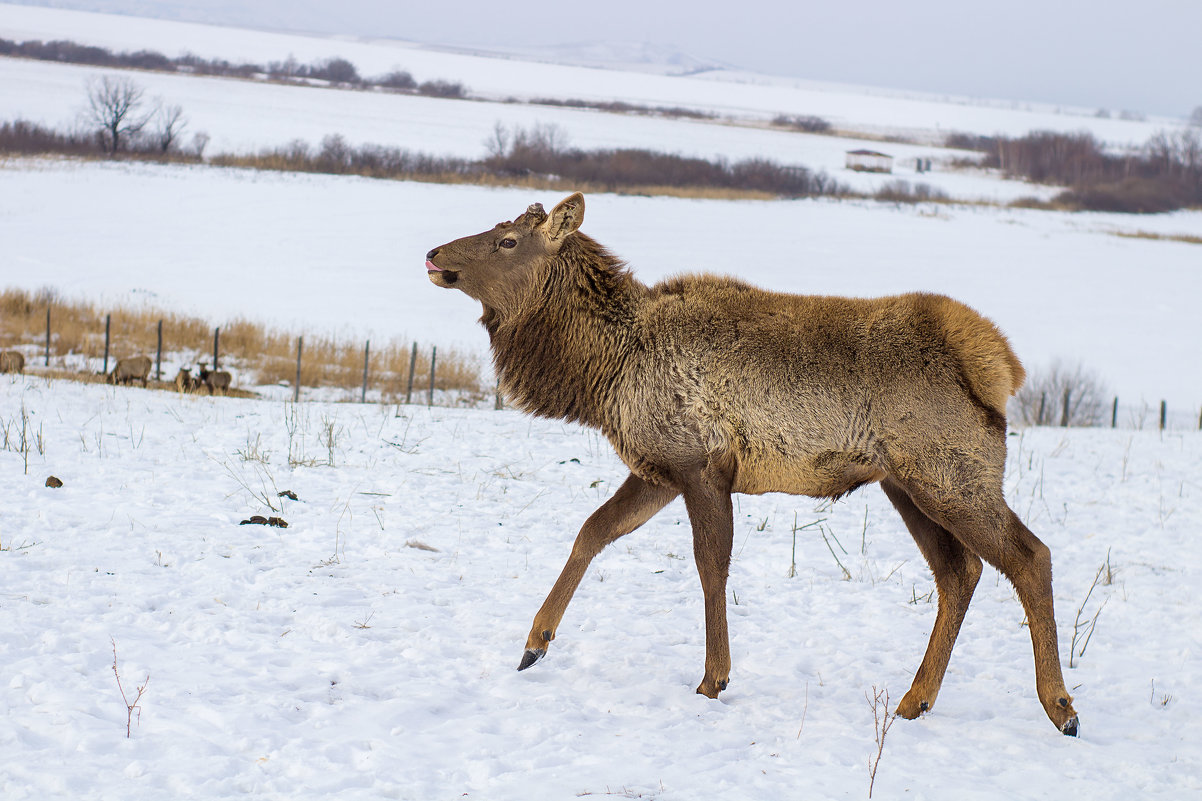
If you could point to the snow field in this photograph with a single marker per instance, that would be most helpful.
(329, 658)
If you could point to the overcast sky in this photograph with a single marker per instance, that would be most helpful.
(1139, 55)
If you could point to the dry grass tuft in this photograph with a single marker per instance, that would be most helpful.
(1186, 238)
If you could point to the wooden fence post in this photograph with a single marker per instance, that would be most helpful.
(1114, 413)
(108, 318)
(158, 358)
(412, 367)
(300, 341)
(366, 351)
(433, 355)
(1200, 421)
(47, 336)
(1064, 414)
(1163, 414)
(1043, 399)
(500, 402)
(216, 340)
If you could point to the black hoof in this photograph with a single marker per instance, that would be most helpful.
(530, 657)
(1070, 727)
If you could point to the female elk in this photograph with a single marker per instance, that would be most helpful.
(707, 386)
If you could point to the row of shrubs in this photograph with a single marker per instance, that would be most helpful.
(531, 154)
(1163, 175)
(527, 155)
(333, 71)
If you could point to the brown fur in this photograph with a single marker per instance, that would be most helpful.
(134, 368)
(184, 382)
(217, 381)
(707, 386)
(12, 361)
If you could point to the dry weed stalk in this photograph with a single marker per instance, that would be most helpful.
(881, 722)
(130, 706)
(1079, 627)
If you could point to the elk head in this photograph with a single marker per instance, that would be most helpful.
(496, 267)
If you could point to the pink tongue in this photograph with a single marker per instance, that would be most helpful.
(431, 267)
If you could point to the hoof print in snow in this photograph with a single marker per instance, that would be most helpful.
(53, 482)
(289, 494)
(259, 520)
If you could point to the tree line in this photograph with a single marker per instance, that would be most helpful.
(334, 71)
(1162, 175)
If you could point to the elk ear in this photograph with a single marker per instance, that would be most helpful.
(565, 218)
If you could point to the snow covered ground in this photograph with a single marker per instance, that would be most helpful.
(330, 660)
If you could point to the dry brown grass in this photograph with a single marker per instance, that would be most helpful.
(77, 328)
(1186, 238)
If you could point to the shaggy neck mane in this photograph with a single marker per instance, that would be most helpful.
(564, 350)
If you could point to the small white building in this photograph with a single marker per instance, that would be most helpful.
(869, 161)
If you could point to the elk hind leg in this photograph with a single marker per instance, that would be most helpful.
(635, 502)
(980, 518)
(956, 571)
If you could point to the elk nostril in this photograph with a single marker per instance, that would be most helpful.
(432, 253)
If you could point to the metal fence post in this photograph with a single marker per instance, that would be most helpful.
(300, 341)
(433, 355)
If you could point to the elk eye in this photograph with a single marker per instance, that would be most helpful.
(509, 243)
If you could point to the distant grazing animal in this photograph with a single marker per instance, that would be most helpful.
(217, 381)
(184, 382)
(12, 361)
(708, 386)
(135, 368)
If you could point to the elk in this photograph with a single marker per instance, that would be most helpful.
(706, 386)
(12, 361)
(184, 382)
(126, 371)
(217, 381)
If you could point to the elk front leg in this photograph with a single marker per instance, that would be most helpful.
(712, 516)
(635, 502)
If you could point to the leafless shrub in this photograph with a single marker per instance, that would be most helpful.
(1063, 394)
(623, 107)
(900, 191)
(170, 124)
(806, 123)
(335, 70)
(24, 137)
(130, 706)
(882, 720)
(398, 80)
(450, 89)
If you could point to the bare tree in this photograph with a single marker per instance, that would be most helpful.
(497, 143)
(114, 106)
(1195, 117)
(171, 124)
(199, 141)
(1063, 394)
